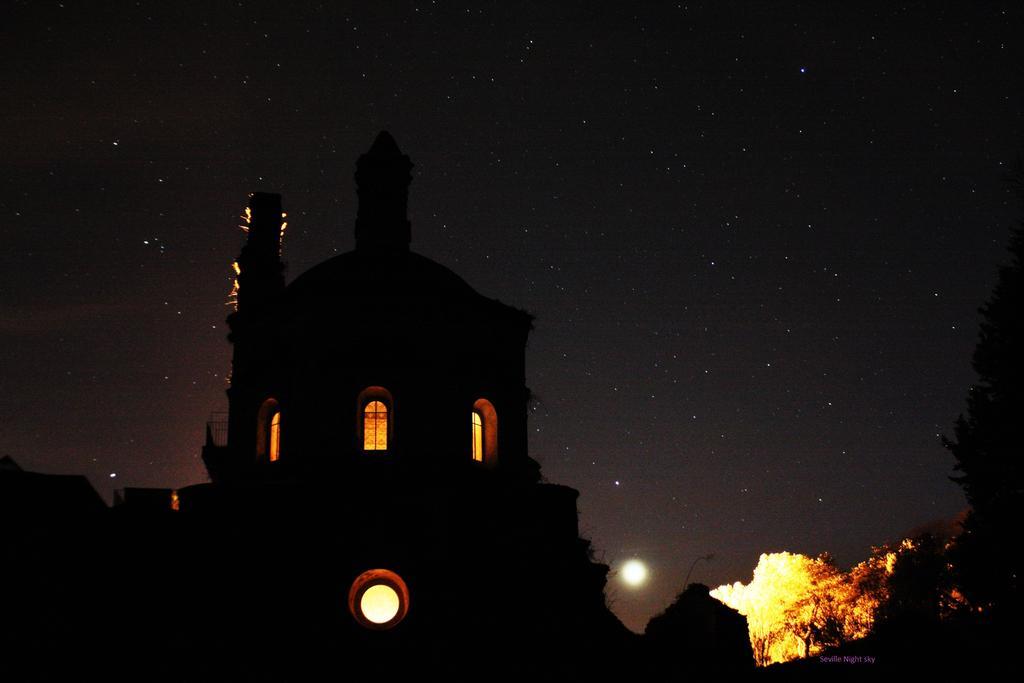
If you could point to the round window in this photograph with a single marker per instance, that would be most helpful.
(378, 599)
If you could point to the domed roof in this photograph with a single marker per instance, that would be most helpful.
(382, 268)
(383, 273)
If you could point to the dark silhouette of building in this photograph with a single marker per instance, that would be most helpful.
(377, 444)
(698, 637)
(54, 563)
(372, 514)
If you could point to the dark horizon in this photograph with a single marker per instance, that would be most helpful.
(754, 240)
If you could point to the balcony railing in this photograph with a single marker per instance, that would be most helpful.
(217, 429)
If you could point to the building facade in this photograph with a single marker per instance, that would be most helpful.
(374, 491)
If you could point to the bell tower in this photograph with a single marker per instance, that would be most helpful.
(258, 292)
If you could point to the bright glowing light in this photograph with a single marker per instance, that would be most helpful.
(379, 603)
(378, 599)
(634, 573)
(797, 606)
(233, 295)
(275, 436)
(375, 427)
(485, 433)
(478, 437)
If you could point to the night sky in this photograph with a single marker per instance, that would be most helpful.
(754, 237)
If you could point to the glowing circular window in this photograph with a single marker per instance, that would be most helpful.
(378, 599)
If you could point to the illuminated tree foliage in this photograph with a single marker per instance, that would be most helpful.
(989, 450)
(798, 606)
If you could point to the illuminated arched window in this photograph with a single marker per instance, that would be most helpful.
(484, 424)
(275, 436)
(375, 426)
(478, 436)
(268, 431)
(376, 422)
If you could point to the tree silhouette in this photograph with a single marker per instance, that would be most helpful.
(989, 449)
(919, 589)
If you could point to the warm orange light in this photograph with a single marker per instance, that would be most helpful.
(375, 426)
(233, 294)
(275, 437)
(378, 599)
(485, 433)
(280, 235)
(175, 501)
(478, 437)
(268, 431)
(796, 606)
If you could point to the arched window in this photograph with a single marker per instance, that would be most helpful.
(375, 426)
(478, 436)
(376, 422)
(268, 431)
(484, 425)
(275, 436)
